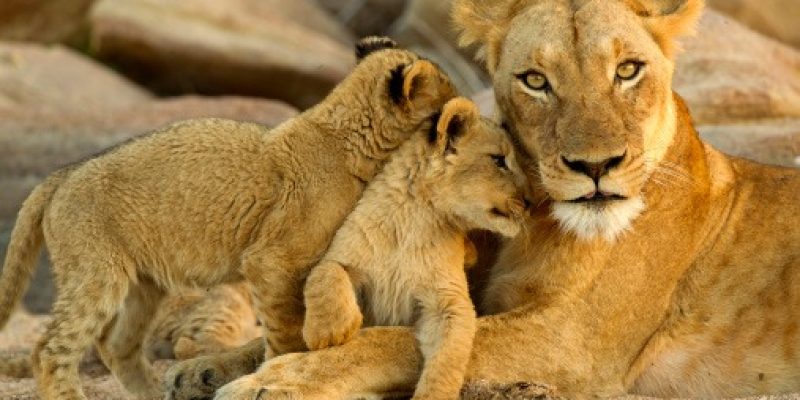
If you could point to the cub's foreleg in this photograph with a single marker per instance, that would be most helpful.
(332, 313)
(445, 331)
(276, 276)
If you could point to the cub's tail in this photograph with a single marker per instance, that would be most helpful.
(23, 248)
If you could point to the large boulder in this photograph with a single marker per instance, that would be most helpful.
(767, 141)
(44, 21)
(779, 19)
(56, 78)
(729, 73)
(291, 51)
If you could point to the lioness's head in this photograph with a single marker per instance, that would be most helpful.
(479, 181)
(585, 86)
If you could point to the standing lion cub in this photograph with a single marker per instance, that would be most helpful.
(204, 202)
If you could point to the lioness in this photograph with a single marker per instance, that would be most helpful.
(656, 265)
(204, 202)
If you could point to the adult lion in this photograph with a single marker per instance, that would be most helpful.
(657, 265)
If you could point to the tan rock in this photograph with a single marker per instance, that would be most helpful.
(57, 78)
(771, 142)
(206, 46)
(44, 21)
(779, 19)
(729, 73)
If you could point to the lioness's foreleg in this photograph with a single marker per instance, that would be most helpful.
(520, 345)
(120, 346)
(201, 377)
(332, 312)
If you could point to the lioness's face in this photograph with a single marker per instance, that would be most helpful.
(586, 88)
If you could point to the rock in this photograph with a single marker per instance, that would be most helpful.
(246, 47)
(729, 73)
(779, 19)
(44, 21)
(771, 142)
(366, 17)
(57, 78)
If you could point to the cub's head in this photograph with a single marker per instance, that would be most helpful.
(585, 86)
(402, 88)
(479, 181)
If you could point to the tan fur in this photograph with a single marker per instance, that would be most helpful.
(196, 322)
(695, 294)
(205, 202)
(402, 250)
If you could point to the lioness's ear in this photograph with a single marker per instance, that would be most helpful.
(371, 44)
(667, 20)
(456, 121)
(484, 22)
(420, 86)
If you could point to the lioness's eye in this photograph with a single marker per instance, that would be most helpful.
(629, 70)
(535, 81)
(500, 161)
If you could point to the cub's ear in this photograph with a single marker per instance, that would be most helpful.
(420, 87)
(371, 44)
(667, 20)
(457, 120)
(484, 22)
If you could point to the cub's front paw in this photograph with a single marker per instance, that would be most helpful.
(251, 388)
(197, 378)
(331, 329)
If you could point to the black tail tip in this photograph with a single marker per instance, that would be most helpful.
(371, 44)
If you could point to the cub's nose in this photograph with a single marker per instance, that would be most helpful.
(594, 170)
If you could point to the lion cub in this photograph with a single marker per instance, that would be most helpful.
(402, 250)
(205, 202)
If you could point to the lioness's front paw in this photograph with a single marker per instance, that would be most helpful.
(250, 388)
(197, 378)
(334, 329)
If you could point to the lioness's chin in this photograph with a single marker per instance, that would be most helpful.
(590, 220)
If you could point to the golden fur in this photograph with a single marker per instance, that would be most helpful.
(196, 322)
(401, 250)
(205, 202)
(672, 271)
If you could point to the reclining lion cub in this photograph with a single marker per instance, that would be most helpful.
(656, 265)
(204, 202)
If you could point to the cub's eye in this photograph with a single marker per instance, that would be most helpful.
(629, 70)
(534, 81)
(500, 161)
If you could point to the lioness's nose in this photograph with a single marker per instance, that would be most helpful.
(594, 170)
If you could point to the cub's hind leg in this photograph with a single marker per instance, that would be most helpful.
(120, 345)
(89, 294)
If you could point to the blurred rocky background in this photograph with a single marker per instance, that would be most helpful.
(77, 76)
